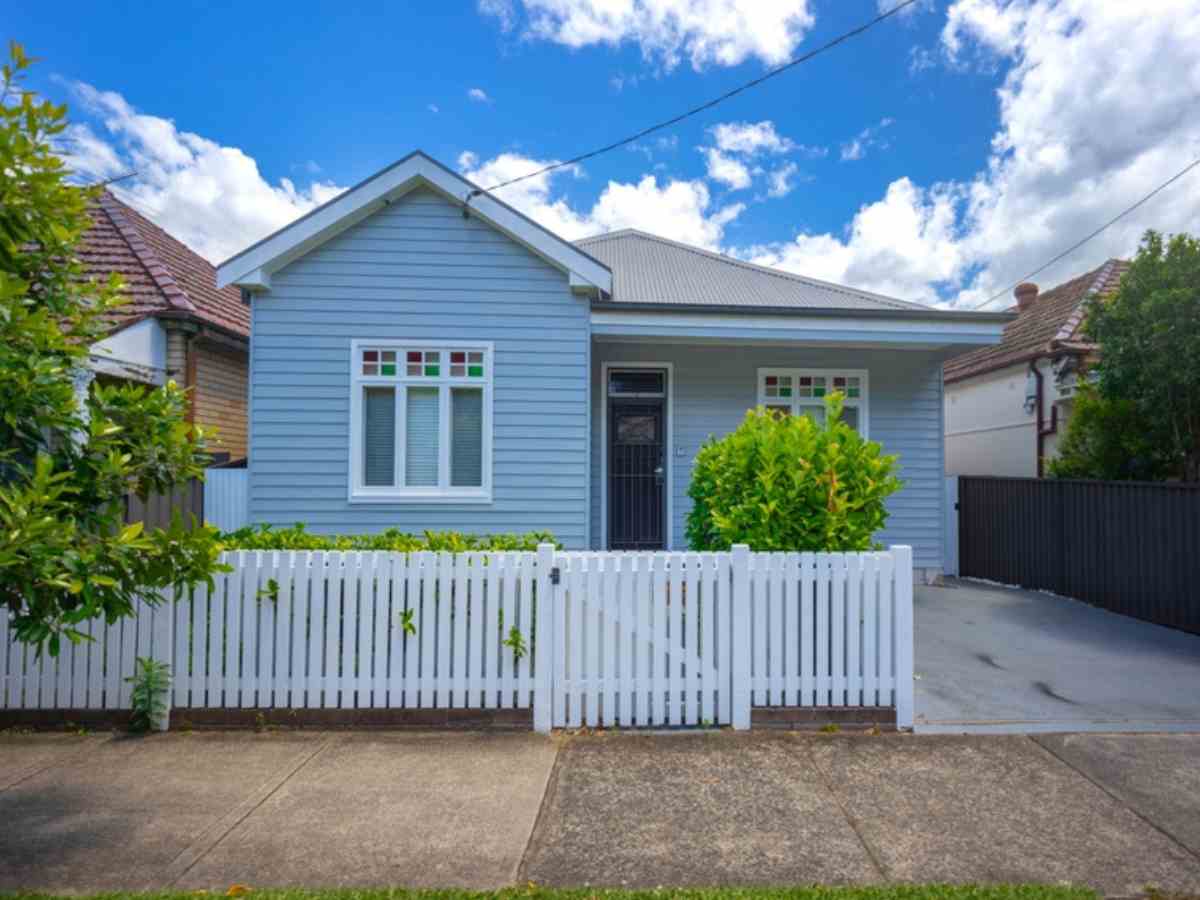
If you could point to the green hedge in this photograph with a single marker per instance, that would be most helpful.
(265, 537)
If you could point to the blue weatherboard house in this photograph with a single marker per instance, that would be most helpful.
(425, 356)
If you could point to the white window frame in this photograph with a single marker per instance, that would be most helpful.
(798, 404)
(443, 492)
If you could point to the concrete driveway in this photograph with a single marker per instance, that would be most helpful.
(992, 659)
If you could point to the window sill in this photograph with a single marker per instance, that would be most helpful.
(407, 499)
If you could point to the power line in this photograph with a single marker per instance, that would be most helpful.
(1098, 231)
(842, 38)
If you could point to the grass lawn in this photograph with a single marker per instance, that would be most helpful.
(533, 892)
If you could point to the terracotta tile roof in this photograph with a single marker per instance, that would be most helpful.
(1053, 321)
(163, 277)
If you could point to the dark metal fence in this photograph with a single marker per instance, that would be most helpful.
(157, 509)
(1130, 547)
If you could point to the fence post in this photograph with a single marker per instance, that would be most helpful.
(544, 639)
(739, 644)
(903, 625)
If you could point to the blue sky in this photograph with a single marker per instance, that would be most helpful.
(876, 164)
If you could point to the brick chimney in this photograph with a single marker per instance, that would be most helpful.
(1026, 293)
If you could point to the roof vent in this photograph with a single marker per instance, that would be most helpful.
(1026, 293)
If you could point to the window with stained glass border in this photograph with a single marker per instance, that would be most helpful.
(421, 422)
(803, 391)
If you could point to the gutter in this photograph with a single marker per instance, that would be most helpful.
(929, 315)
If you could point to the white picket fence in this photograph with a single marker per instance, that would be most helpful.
(630, 639)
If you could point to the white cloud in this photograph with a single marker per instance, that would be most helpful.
(706, 32)
(895, 246)
(479, 95)
(502, 9)
(1096, 109)
(920, 6)
(867, 139)
(678, 209)
(750, 138)
(212, 197)
(781, 181)
(727, 170)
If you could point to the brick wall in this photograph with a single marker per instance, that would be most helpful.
(219, 397)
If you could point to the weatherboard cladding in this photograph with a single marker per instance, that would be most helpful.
(650, 269)
(715, 385)
(418, 270)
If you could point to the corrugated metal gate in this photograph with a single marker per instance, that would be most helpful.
(1130, 547)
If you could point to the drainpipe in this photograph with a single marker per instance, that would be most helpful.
(1042, 431)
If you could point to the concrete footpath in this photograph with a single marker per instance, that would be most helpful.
(207, 810)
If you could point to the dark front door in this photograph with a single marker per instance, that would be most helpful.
(636, 474)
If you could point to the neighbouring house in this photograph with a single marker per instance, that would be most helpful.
(1007, 405)
(177, 324)
(426, 357)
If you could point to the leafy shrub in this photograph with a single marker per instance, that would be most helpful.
(265, 537)
(788, 483)
(151, 680)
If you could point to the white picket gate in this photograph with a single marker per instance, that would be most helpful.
(630, 639)
(643, 639)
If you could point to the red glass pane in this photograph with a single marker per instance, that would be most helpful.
(414, 356)
(772, 380)
(370, 355)
(458, 358)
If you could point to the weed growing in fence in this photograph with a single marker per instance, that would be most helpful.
(515, 641)
(151, 680)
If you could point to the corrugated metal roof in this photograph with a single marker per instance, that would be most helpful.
(651, 269)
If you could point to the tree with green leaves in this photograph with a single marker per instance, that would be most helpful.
(1143, 422)
(68, 456)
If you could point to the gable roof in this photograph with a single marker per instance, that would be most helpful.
(163, 276)
(651, 269)
(1053, 321)
(252, 268)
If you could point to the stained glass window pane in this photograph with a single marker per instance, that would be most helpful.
(475, 371)
(458, 371)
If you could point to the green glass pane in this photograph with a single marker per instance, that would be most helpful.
(431, 371)
(853, 392)
(475, 371)
(819, 392)
(785, 392)
(388, 370)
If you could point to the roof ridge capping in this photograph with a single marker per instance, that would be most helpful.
(756, 267)
(175, 296)
(1075, 319)
(253, 266)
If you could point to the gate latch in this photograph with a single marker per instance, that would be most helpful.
(555, 574)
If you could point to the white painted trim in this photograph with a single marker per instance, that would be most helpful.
(253, 267)
(356, 492)
(862, 404)
(669, 450)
